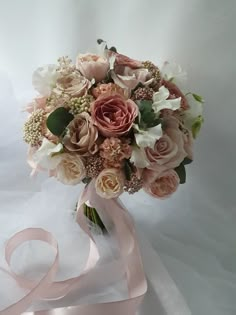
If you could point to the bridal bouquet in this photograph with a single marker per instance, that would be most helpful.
(123, 123)
(117, 125)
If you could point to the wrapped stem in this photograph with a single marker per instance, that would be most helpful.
(93, 216)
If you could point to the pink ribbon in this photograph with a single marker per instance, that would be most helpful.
(47, 289)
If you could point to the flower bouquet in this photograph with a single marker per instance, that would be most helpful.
(122, 123)
(117, 125)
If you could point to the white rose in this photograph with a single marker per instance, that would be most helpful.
(71, 169)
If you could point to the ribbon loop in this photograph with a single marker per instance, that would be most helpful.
(130, 258)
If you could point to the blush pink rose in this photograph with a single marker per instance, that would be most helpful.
(175, 93)
(160, 185)
(92, 66)
(169, 150)
(113, 115)
(128, 78)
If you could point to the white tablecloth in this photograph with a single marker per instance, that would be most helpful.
(194, 231)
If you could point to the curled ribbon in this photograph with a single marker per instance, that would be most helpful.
(45, 288)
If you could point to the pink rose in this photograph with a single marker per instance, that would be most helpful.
(169, 150)
(125, 61)
(113, 115)
(175, 93)
(109, 183)
(160, 185)
(92, 66)
(128, 78)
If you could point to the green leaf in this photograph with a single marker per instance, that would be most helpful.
(128, 170)
(113, 49)
(148, 117)
(187, 161)
(155, 122)
(145, 105)
(58, 120)
(198, 98)
(180, 170)
(196, 126)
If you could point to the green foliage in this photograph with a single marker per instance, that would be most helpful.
(148, 118)
(180, 170)
(58, 120)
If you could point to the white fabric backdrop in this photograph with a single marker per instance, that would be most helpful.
(194, 231)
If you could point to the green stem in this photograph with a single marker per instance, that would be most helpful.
(93, 216)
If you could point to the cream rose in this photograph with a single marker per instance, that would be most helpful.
(92, 66)
(82, 135)
(160, 185)
(70, 170)
(109, 183)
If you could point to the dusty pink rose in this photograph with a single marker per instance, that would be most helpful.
(92, 66)
(169, 150)
(175, 93)
(125, 61)
(128, 78)
(109, 183)
(82, 135)
(113, 115)
(160, 185)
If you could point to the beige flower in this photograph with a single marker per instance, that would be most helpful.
(92, 66)
(82, 135)
(109, 183)
(70, 170)
(74, 84)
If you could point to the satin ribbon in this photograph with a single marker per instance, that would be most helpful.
(123, 228)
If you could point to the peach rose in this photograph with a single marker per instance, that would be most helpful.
(92, 66)
(109, 88)
(82, 135)
(113, 115)
(109, 183)
(169, 150)
(175, 93)
(70, 170)
(128, 78)
(160, 185)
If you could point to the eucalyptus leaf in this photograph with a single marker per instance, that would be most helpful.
(58, 120)
(187, 161)
(180, 170)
